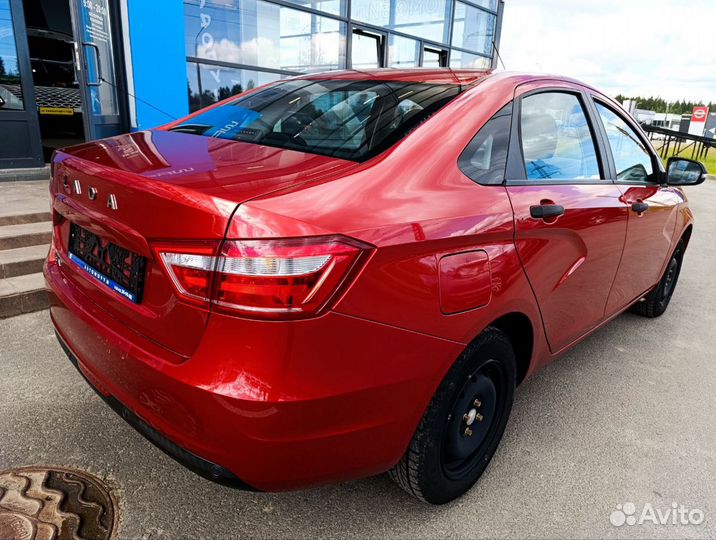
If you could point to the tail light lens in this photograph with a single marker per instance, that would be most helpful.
(191, 269)
(269, 279)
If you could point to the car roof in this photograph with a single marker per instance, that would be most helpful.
(426, 75)
(439, 76)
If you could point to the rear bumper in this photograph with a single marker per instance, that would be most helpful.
(207, 469)
(265, 405)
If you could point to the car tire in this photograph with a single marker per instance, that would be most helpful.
(444, 459)
(654, 304)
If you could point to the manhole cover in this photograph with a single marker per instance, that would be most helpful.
(43, 503)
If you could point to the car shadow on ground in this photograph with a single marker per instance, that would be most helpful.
(545, 451)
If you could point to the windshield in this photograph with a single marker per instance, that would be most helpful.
(346, 119)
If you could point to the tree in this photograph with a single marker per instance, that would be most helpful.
(660, 105)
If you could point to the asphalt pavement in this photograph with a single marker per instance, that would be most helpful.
(628, 416)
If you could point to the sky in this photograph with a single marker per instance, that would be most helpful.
(661, 48)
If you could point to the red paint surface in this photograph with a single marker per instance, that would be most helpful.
(284, 404)
(465, 281)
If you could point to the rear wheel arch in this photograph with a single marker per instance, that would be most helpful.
(519, 330)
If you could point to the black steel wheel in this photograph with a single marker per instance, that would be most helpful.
(463, 424)
(655, 303)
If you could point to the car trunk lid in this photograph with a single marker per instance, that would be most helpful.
(155, 187)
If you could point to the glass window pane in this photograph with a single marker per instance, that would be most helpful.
(489, 4)
(10, 90)
(459, 59)
(365, 51)
(209, 84)
(431, 58)
(346, 119)
(424, 19)
(96, 29)
(631, 158)
(261, 34)
(473, 29)
(375, 12)
(556, 140)
(334, 7)
(485, 157)
(403, 52)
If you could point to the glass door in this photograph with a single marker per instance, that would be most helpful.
(368, 49)
(94, 48)
(19, 128)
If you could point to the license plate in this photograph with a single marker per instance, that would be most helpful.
(116, 267)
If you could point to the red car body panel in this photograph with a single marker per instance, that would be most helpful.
(649, 241)
(570, 262)
(285, 404)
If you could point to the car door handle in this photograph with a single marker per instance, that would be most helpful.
(543, 211)
(639, 207)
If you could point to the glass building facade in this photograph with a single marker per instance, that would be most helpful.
(75, 70)
(234, 45)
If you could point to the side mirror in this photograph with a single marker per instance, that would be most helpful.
(684, 172)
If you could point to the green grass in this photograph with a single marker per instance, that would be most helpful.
(709, 160)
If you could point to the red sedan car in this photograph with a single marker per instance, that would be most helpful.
(343, 274)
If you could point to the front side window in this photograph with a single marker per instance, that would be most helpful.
(557, 143)
(346, 119)
(631, 158)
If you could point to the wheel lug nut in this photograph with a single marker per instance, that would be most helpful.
(479, 417)
(465, 417)
(477, 403)
(468, 432)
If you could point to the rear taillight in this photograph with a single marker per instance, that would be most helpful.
(191, 269)
(270, 279)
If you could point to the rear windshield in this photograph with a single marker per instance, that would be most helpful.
(346, 119)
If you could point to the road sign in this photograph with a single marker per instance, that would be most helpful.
(698, 120)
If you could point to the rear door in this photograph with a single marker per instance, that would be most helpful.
(570, 219)
(652, 207)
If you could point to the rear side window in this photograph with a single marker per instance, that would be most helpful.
(557, 143)
(353, 120)
(631, 158)
(484, 159)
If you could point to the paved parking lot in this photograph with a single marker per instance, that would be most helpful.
(627, 416)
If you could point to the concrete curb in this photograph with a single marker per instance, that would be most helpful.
(20, 175)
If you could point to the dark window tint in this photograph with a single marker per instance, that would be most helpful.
(556, 140)
(346, 119)
(485, 157)
(631, 158)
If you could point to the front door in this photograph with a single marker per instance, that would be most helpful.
(653, 209)
(570, 221)
(95, 27)
(19, 127)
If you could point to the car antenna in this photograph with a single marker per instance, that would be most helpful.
(102, 79)
(497, 51)
(454, 76)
